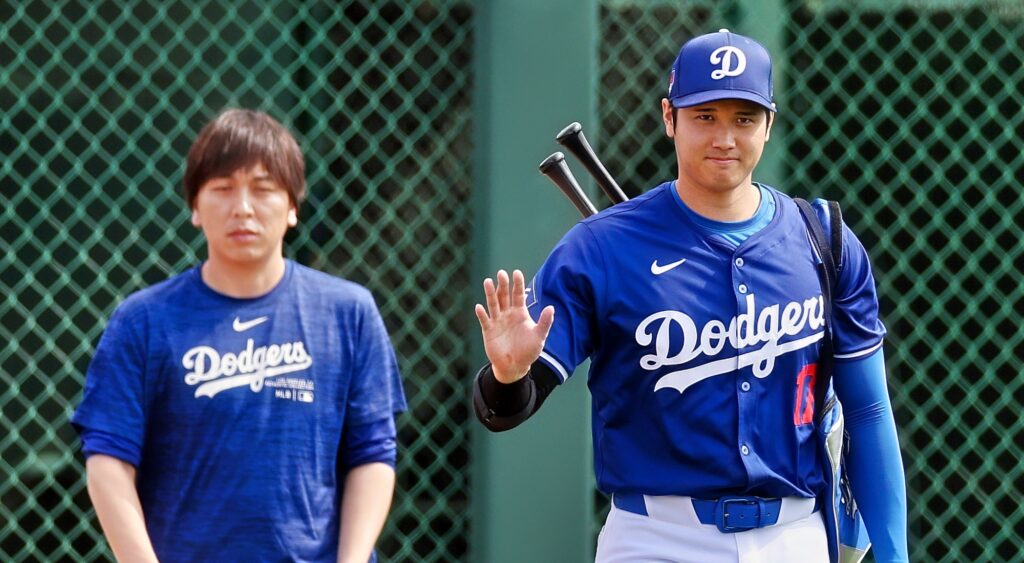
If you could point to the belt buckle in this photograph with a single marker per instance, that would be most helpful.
(723, 517)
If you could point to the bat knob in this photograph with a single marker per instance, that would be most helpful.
(551, 162)
(571, 129)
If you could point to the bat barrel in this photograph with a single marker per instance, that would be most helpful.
(555, 169)
(571, 129)
(572, 138)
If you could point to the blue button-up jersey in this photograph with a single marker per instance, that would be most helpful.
(703, 353)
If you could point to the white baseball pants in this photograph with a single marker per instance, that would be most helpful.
(672, 533)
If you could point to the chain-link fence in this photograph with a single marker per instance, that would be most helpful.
(100, 101)
(908, 113)
(912, 120)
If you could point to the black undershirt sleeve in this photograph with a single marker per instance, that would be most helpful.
(501, 406)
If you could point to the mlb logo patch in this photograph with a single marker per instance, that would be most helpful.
(671, 80)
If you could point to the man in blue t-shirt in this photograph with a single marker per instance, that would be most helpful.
(243, 410)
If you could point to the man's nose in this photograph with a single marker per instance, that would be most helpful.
(724, 137)
(243, 203)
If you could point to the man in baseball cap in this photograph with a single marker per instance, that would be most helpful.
(700, 308)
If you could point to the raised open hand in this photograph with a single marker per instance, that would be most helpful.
(512, 340)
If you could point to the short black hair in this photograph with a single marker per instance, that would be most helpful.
(242, 138)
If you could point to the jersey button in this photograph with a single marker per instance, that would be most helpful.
(742, 288)
(744, 450)
(745, 386)
(739, 262)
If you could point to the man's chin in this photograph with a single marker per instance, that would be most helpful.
(245, 257)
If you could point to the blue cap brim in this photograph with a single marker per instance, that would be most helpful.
(715, 95)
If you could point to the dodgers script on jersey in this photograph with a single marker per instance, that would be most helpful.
(703, 353)
(239, 406)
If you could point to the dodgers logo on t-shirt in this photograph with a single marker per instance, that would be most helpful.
(212, 371)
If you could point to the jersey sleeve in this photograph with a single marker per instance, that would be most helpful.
(569, 280)
(376, 386)
(114, 399)
(858, 330)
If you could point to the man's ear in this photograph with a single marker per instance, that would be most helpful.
(668, 117)
(195, 218)
(293, 217)
(771, 121)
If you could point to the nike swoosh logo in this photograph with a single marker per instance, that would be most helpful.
(658, 270)
(240, 326)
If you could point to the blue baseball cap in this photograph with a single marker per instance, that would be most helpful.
(720, 66)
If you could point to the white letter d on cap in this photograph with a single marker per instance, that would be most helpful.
(724, 56)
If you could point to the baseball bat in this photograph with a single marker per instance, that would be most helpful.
(573, 139)
(555, 168)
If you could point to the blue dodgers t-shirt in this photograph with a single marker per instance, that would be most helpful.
(234, 410)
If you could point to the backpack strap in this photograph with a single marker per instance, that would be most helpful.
(835, 216)
(830, 256)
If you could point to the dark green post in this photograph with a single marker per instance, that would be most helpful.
(535, 72)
